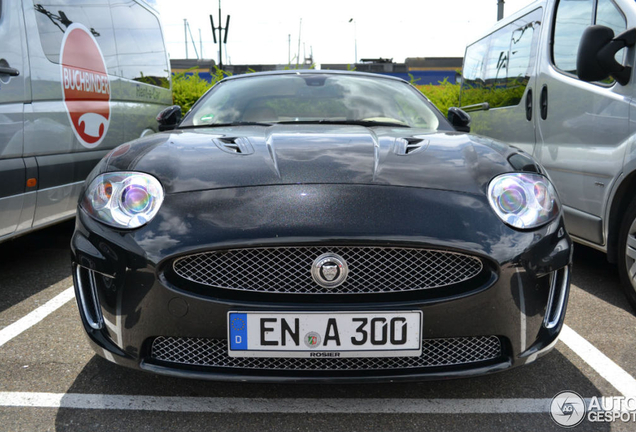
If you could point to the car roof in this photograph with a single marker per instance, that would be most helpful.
(313, 72)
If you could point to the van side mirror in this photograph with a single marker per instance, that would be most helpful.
(595, 59)
(169, 118)
(459, 118)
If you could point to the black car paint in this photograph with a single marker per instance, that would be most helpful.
(189, 160)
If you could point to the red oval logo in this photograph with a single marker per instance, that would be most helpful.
(85, 85)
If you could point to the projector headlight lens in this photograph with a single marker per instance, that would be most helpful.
(523, 200)
(123, 199)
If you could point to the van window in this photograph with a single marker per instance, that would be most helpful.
(607, 14)
(497, 68)
(572, 18)
(140, 49)
(54, 16)
(497, 60)
(473, 74)
(521, 52)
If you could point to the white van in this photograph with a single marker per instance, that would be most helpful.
(521, 85)
(77, 78)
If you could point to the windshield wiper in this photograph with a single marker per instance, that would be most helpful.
(215, 125)
(367, 123)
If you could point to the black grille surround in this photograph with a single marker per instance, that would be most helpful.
(463, 352)
(286, 270)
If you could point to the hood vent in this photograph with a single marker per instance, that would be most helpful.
(410, 145)
(234, 145)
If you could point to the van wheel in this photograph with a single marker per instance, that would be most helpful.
(627, 253)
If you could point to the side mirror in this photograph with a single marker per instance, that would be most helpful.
(595, 59)
(169, 118)
(459, 118)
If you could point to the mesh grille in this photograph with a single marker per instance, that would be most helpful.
(435, 352)
(288, 269)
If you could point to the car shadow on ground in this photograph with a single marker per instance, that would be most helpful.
(540, 380)
(34, 262)
(592, 273)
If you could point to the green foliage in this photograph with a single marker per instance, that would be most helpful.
(187, 89)
(443, 95)
(496, 96)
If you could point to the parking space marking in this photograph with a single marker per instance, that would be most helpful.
(34, 317)
(603, 365)
(276, 405)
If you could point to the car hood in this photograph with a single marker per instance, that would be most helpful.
(213, 158)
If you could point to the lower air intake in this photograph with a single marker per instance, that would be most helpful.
(435, 352)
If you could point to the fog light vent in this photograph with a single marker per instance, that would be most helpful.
(559, 286)
(88, 301)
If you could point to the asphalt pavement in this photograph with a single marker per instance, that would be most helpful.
(51, 380)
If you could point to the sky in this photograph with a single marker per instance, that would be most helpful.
(260, 30)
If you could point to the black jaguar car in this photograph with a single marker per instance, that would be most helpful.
(313, 225)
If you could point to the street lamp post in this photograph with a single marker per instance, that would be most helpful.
(355, 39)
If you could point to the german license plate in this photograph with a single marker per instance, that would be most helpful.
(325, 334)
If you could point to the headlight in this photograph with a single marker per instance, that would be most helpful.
(123, 199)
(523, 200)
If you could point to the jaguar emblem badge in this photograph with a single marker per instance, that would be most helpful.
(329, 270)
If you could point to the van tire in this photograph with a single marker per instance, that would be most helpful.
(625, 262)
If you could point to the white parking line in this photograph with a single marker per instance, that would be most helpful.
(34, 317)
(603, 365)
(277, 405)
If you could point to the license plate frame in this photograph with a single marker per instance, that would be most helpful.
(381, 326)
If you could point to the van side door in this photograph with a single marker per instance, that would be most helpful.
(15, 91)
(582, 127)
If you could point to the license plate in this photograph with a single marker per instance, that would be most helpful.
(325, 334)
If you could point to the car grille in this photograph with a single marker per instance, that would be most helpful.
(288, 269)
(435, 352)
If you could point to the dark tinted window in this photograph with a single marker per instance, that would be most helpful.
(572, 18)
(497, 68)
(140, 48)
(54, 16)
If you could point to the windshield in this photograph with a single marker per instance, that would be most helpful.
(319, 98)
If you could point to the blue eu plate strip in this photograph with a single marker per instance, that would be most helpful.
(238, 331)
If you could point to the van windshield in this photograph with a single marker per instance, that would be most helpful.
(315, 98)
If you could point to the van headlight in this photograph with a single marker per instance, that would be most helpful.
(523, 200)
(123, 199)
